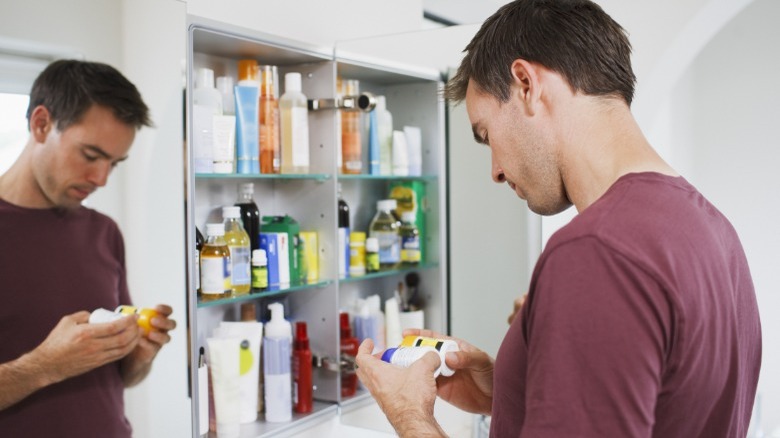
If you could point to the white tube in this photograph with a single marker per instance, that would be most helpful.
(250, 334)
(223, 357)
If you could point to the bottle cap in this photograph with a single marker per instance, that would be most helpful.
(204, 78)
(372, 244)
(386, 204)
(248, 312)
(231, 212)
(388, 354)
(373, 303)
(351, 87)
(301, 337)
(408, 216)
(247, 70)
(357, 237)
(278, 327)
(346, 329)
(215, 229)
(247, 189)
(259, 258)
(292, 82)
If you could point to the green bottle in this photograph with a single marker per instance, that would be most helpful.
(410, 240)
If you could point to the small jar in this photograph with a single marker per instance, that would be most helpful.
(372, 254)
(259, 269)
(357, 254)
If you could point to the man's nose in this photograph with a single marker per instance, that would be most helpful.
(99, 172)
(496, 172)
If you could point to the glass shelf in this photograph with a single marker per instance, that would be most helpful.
(262, 293)
(387, 177)
(389, 273)
(270, 176)
(321, 411)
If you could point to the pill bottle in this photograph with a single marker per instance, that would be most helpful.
(406, 356)
(145, 316)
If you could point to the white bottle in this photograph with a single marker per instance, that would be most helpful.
(384, 121)
(207, 103)
(225, 88)
(379, 322)
(414, 144)
(400, 154)
(294, 126)
(276, 366)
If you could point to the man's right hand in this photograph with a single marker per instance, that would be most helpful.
(471, 387)
(74, 347)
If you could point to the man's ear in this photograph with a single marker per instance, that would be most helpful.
(525, 84)
(40, 123)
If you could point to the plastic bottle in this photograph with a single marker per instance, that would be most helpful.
(237, 240)
(351, 144)
(295, 126)
(414, 145)
(269, 123)
(215, 275)
(410, 240)
(225, 88)
(384, 227)
(374, 307)
(302, 371)
(145, 316)
(259, 269)
(406, 356)
(400, 154)
(276, 366)
(372, 254)
(349, 350)
(357, 254)
(385, 134)
(343, 252)
(207, 103)
(250, 214)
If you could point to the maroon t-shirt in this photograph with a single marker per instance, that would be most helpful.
(54, 263)
(641, 321)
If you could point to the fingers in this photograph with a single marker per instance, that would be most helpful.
(163, 309)
(163, 323)
(366, 347)
(430, 362)
(81, 317)
(475, 360)
(108, 329)
(425, 333)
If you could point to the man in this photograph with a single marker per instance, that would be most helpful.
(60, 375)
(641, 318)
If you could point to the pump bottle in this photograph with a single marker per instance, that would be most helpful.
(302, 370)
(276, 366)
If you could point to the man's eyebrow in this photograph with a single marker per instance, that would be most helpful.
(104, 154)
(477, 137)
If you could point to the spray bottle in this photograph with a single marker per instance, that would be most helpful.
(276, 366)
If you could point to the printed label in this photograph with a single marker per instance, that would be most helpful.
(389, 246)
(300, 136)
(215, 275)
(410, 249)
(240, 257)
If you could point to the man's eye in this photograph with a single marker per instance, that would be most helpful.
(89, 157)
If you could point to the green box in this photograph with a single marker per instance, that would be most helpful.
(410, 196)
(286, 224)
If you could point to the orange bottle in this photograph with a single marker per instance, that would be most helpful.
(351, 146)
(270, 143)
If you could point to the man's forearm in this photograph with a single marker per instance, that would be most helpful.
(414, 426)
(20, 378)
(133, 372)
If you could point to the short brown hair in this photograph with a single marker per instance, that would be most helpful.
(68, 88)
(574, 38)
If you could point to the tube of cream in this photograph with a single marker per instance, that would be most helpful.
(250, 335)
(247, 133)
(224, 359)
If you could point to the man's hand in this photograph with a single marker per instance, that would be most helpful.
(518, 307)
(136, 365)
(471, 387)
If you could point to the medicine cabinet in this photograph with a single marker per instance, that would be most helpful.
(413, 98)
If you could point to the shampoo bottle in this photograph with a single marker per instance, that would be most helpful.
(207, 103)
(379, 322)
(302, 370)
(295, 126)
(349, 349)
(276, 366)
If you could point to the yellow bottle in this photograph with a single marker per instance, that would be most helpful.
(239, 244)
(215, 274)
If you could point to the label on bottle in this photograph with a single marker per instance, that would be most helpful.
(343, 253)
(372, 261)
(410, 249)
(215, 275)
(389, 246)
(259, 277)
(240, 257)
(300, 136)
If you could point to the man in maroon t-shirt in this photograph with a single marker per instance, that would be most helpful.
(61, 376)
(641, 319)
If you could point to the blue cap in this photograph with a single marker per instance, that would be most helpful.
(388, 354)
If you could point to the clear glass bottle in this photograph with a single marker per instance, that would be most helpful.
(250, 214)
(237, 240)
(410, 240)
(351, 143)
(215, 275)
(384, 227)
(270, 157)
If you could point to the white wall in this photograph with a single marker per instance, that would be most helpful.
(722, 126)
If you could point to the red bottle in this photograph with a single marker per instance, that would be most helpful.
(349, 347)
(302, 372)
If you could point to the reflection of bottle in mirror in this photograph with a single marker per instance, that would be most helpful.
(237, 240)
(343, 252)
(269, 123)
(351, 146)
(349, 350)
(250, 215)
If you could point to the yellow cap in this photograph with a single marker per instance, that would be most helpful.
(247, 70)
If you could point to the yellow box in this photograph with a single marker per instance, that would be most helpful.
(311, 255)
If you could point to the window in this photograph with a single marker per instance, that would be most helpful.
(13, 127)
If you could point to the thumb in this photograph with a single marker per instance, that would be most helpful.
(458, 360)
(429, 362)
(367, 347)
(80, 317)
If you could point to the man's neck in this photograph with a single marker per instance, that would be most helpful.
(18, 185)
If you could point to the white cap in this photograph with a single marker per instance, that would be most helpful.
(292, 82)
(372, 244)
(373, 303)
(386, 204)
(231, 212)
(381, 104)
(204, 78)
(247, 188)
(259, 258)
(408, 216)
(215, 229)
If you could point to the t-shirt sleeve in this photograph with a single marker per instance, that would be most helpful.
(596, 340)
(119, 253)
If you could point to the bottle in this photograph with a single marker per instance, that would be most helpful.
(145, 316)
(372, 254)
(384, 227)
(400, 154)
(385, 135)
(207, 103)
(250, 215)
(215, 272)
(276, 366)
(225, 88)
(373, 144)
(269, 123)
(374, 308)
(294, 126)
(240, 250)
(302, 371)
(349, 350)
(259, 269)
(406, 356)
(410, 240)
(199, 241)
(343, 252)
(357, 254)
(351, 144)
